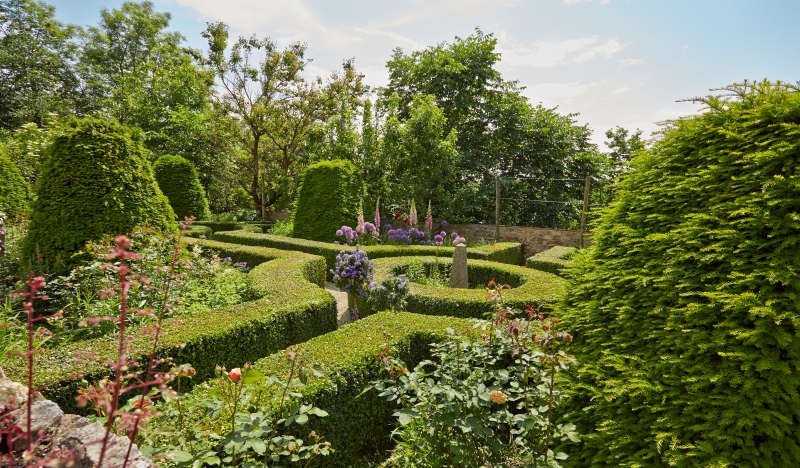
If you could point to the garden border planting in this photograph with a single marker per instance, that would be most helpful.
(537, 288)
(356, 427)
(292, 308)
(556, 260)
(502, 252)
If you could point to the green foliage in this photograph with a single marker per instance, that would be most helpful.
(556, 260)
(292, 308)
(355, 427)
(685, 310)
(529, 286)
(327, 199)
(482, 402)
(507, 252)
(37, 56)
(95, 182)
(177, 178)
(15, 193)
(282, 228)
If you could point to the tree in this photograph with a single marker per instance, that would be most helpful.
(499, 133)
(622, 147)
(264, 88)
(37, 64)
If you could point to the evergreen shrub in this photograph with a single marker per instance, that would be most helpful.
(178, 179)
(685, 312)
(14, 191)
(96, 181)
(327, 199)
(556, 260)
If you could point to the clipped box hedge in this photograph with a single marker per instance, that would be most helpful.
(198, 231)
(556, 260)
(357, 427)
(292, 308)
(528, 286)
(219, 225)
(504, 252)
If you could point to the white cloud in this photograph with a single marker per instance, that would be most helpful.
(631, 61)
(396, 37)
(553, 53)
(553, 94)
(575, 2)
(623, 89)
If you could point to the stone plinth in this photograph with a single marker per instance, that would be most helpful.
(459, 276)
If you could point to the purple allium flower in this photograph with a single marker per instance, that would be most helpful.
(226, 259)
(336, 242)
(454, 234)
(408, 240)
(444, 223)
(443, 234)
(422, 242)
(387, 226)
(438, 239)
(339, 233)
(459, 240)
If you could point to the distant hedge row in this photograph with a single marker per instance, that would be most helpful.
(556, 260)
(528, 286)
(357, 427)
(292, 308)
(502, 252)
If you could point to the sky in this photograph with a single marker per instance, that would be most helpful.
(625, 63)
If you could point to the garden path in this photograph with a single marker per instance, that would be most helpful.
(341, 302)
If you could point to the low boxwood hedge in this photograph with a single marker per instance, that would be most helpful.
(198, 231)
(357, 427)
(504, 252)
(528, 286)
(292, 308)
(220, 225)
(556, 260)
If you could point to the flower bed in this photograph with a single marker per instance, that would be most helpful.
(502, 252)
(292, 308)
(357, 427)
(556, 260)
(528, 287)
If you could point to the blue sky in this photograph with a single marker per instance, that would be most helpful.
(614, 62)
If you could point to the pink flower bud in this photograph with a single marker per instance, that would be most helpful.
(235, 374)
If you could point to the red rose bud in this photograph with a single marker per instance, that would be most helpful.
(235, 374)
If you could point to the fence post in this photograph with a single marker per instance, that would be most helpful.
(585, 206)
(2, 238)
(497, 208)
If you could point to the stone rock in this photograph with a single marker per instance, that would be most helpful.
(13, 393)
(45, 416)
(459, 275)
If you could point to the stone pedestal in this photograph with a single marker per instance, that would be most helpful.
(458, 274)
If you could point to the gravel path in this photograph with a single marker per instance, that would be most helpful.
(341, 302)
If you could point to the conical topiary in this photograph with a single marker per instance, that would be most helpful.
(178, 179)
(95, 181)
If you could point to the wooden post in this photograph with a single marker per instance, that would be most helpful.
(497, 208)
(585, 206)
(263, 208)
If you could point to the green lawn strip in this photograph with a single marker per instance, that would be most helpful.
(356, 427)
(556, 260)
(292, 308)
(504, 252)
(528, 287)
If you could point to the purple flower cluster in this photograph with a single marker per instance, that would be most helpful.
(353, 272)
(364, 233)
(408, 237)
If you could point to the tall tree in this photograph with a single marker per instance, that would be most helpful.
(263, 86)
(37, 64)
(623, 144)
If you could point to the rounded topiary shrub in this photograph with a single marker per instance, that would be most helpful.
(328, 198)
(96, 181)
(14, 191)
(178, 179)
(685, 312)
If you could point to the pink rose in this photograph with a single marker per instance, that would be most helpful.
(235, 374)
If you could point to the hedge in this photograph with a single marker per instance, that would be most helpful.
(528, 286)
(220, 225)
(292, 308)
(194, 230)
(15, 193)
(685, 311)
(556, 260)
(178, 179)
(356, 427)
(95, 181)
(505, 252)
(328, 197)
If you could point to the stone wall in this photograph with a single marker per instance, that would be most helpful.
(535, 239)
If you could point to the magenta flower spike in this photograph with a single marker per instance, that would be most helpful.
(360, 227)
(378, 214)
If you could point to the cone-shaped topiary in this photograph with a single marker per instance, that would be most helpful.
(14, 191)
(685, 313)
(178, 179)
(96, 181)
(328, 198)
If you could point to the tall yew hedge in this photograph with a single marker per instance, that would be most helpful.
(686, 313)
(328, 198)
(14, 191)
(96, 181)
(178, 179)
